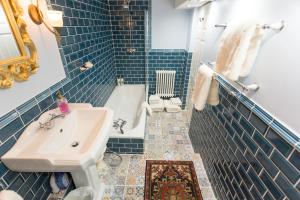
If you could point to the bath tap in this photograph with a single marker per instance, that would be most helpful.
(50, 123)
(123, 123)
(119, 124)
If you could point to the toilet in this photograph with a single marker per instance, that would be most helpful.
(9, 195)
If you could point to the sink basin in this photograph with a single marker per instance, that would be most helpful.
(73, 144)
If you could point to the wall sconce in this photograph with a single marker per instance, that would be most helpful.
(54, 17)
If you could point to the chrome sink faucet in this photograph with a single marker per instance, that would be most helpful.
(50, 123)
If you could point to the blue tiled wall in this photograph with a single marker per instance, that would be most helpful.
(168, 59)
(129, 66)
(86, 36)
(126, 145)
(247, 153)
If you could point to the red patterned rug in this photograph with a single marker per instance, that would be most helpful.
(171, 180)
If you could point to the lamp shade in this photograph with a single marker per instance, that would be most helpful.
(55, 18)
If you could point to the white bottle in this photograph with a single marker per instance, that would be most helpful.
(53, 184)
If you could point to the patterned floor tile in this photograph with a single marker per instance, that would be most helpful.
(113, 175)
(166, 139)
(114, 193)
(134, 193)
(136, 171)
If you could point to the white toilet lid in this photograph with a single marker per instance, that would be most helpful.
(9, 195)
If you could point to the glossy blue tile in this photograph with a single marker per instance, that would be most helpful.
(267, 163)
(268, 196)
(230, 187)
(97, 82)
(247, 126)
(284, 147)
(287, 187)
(10, 129)
(10, 176)
(229, 129)
(16, 184)
(30, 114)
(239, 143)
(298, 186)
(3, 169)
(237, 190)
(250, 143)
(242, 159)
(289, 170)
(243, 110)
(29, 196)
(8, 118)
(259, 124)
(274, 190)
(256, 181)
(253, 162)
(232, 145)
(6, 146)
(255, 194)
(246, 192)
(236, 115)
(263, 143)
(295, 159)
(36, 186)
(237, 127)
(245, 177)
(24, 189)
(47, 102)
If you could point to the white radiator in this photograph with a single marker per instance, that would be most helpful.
(165, 81)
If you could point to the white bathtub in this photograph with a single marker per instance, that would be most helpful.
(126, 102)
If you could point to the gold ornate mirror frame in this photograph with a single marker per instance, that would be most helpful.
(17, 68)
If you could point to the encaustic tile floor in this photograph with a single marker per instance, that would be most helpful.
(166, 139)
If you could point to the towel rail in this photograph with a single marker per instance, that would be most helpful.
(251, 87)
(275, 26)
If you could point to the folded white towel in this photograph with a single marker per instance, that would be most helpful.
(154, 102)
(171, 107)
(205, 89)
(154, 98)
(160, 101)
(176, 101)
(158, 107)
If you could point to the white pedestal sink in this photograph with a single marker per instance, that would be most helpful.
(73, 144)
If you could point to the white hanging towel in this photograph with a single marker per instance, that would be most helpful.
(205, 89)
(253, 49)
(238, 49)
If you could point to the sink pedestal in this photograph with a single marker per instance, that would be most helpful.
(89, 177)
